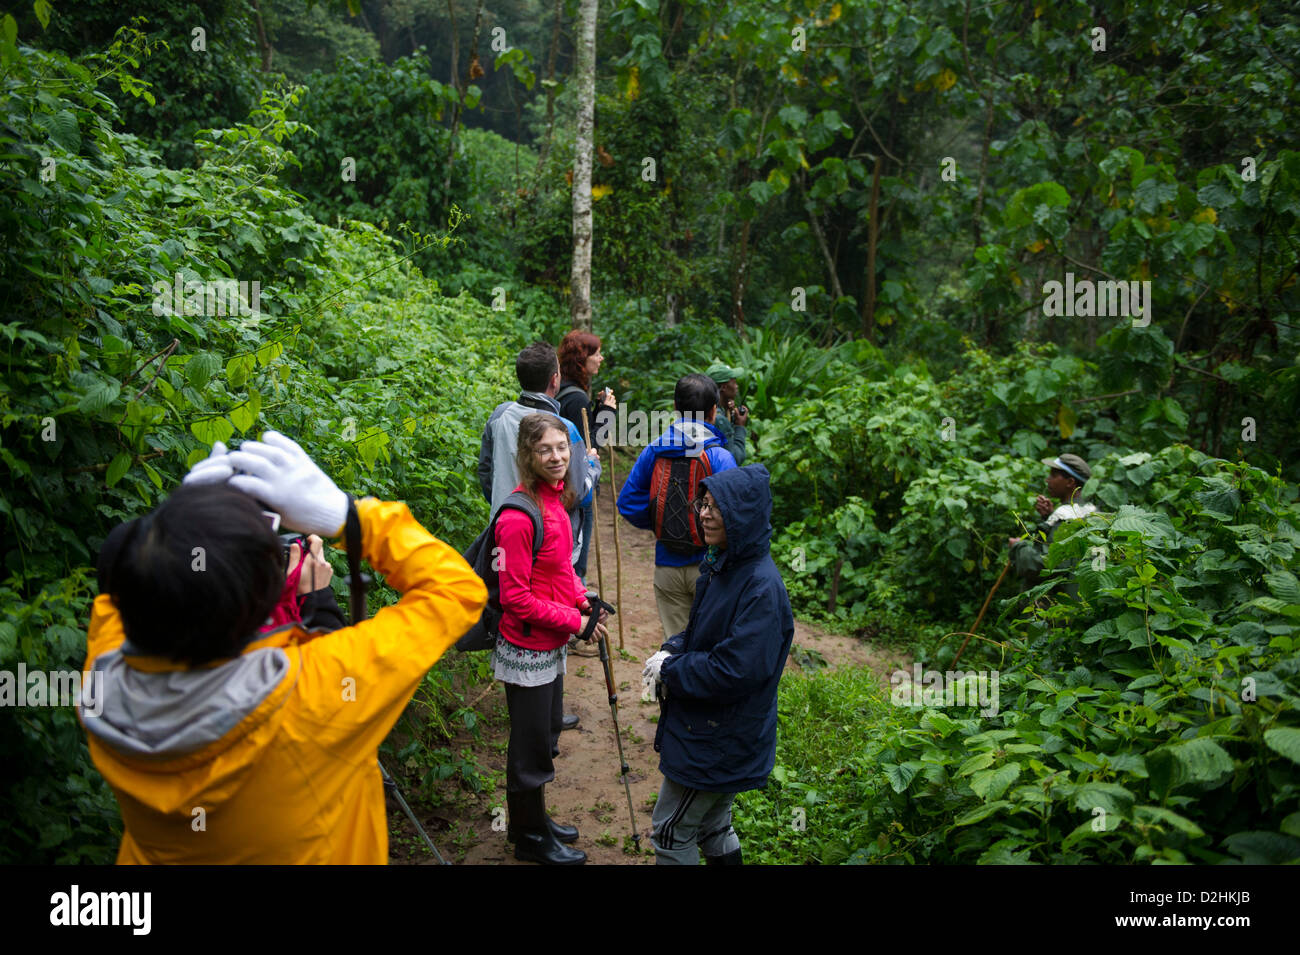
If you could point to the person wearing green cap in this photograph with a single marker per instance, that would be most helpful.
(733, 422)
(1065, 481)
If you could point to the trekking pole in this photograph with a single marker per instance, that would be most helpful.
(976, 625)
(595, 524)
(357, 598)
(618, 550)
(391, 785)
(598, 605)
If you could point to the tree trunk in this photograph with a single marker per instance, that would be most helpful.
(262, 43)
(738, 281)
(976, 231)
(580, 280)
(873, 236)
(544, 152)
(475, 71)
(455, 48)
(814, 221)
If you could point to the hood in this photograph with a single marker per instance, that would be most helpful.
(539, 401)
(686, 438)
(744, 496)
(157, 711)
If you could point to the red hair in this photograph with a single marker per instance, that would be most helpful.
(576, 347)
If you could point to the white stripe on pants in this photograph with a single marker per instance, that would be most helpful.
(686, 820)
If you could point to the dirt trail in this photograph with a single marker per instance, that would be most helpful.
(587, 791)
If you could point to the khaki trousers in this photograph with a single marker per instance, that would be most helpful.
(674, 593)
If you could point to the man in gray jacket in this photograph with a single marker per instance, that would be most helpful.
(538, 371)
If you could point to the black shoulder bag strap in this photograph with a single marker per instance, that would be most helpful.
(356, 583)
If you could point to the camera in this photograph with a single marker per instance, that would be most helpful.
(287, 541)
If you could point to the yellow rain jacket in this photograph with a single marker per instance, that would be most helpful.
(271, 757)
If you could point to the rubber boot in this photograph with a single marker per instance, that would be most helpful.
(534, 840)
(562, 833)
(731, 858)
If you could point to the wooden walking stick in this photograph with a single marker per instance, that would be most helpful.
(595, 523)
(618, 550)
(976, 625)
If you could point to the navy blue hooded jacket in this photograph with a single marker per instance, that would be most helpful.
(717, 730)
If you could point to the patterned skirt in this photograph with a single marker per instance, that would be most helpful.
(523, 667)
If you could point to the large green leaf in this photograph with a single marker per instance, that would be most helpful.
(992, 783)
(117, 468)
(1284, 740)
(1201, 760)
(201, 367)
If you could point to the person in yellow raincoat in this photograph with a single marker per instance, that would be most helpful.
(224, 745)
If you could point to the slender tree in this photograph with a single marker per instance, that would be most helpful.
(580, 280)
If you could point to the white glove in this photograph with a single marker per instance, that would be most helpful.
(214, 469)
(650, 681)
(277, 472)
(653, 665)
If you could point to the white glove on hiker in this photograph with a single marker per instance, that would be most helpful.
(653, 665)
(650, 675)
(277, 472)
(214, 469)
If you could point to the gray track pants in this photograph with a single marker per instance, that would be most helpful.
(686, 820)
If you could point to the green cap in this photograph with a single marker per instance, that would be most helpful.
(1073, 465)
(723, 373)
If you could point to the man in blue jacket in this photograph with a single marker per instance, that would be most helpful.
(717, 679)
(698, 447)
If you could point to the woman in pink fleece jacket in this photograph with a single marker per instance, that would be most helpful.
(543, 603)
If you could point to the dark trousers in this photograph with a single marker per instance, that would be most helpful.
(535, 714)
(580, 567)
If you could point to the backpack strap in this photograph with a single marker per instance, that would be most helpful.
(519, 501)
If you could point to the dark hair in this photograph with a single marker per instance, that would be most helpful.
(535, 365)
(196, 578)
(532, 429)
(697, 394)
(575, 348)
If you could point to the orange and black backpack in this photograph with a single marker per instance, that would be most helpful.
(674, 483)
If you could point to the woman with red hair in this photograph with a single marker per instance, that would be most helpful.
(580, 359)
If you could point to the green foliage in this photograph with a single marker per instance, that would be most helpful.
(379, 154)
(1150, 718)
(112, 388)
(313, 38)
(199, 59)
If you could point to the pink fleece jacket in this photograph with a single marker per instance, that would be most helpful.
(539, 599)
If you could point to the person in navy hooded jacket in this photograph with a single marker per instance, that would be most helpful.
(717, 679)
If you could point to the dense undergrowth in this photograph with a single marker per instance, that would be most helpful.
(1149, 717)
(354, 354)
(1146, 712)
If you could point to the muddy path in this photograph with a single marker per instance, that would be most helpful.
(587, 791)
